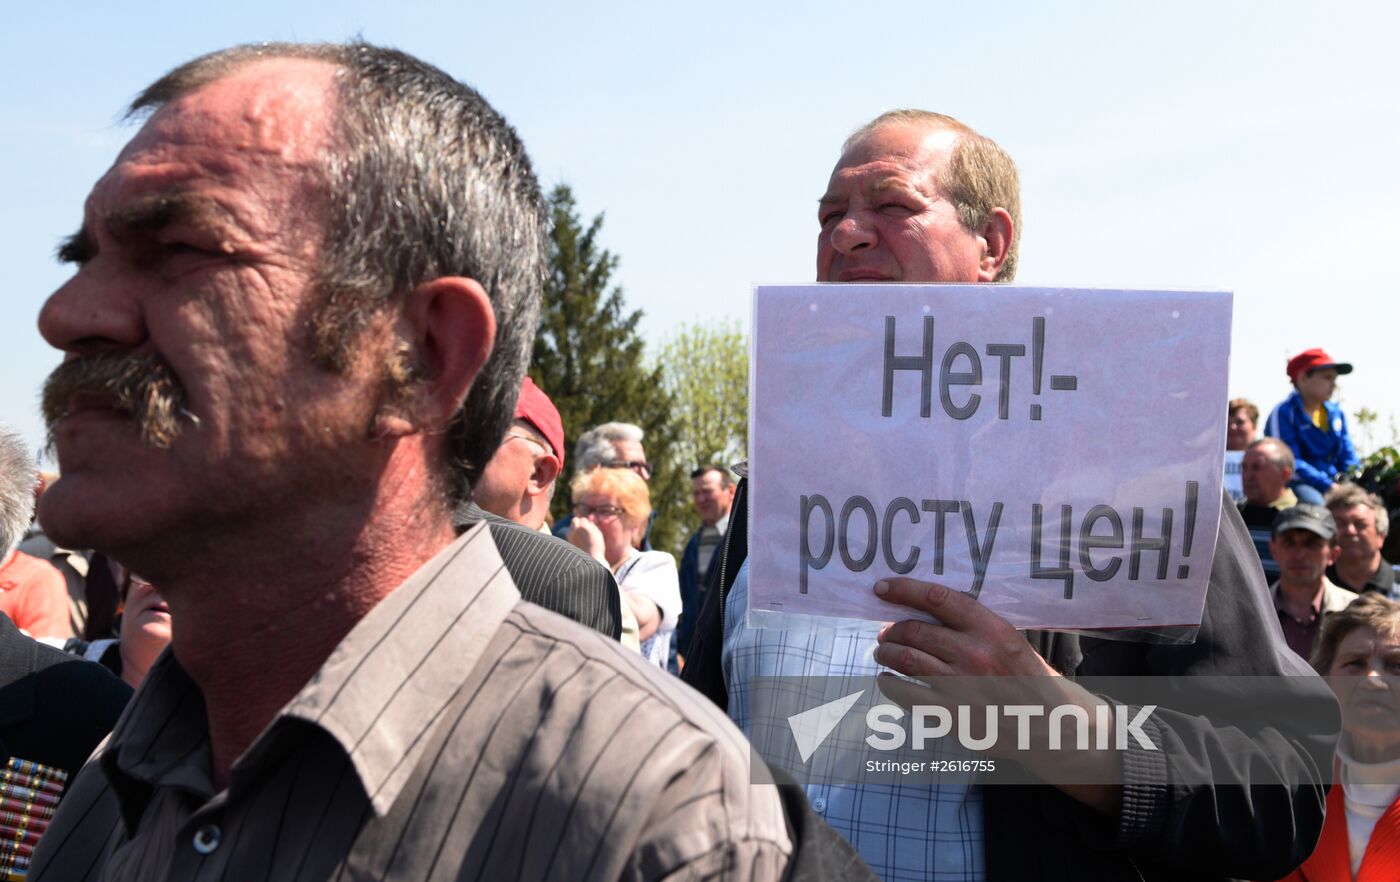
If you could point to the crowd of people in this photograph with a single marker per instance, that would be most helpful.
(303, 513)
(1321, 537)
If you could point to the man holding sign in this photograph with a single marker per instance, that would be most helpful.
(919, 197)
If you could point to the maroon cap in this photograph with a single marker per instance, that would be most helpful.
(535, 408)
(1314, 360)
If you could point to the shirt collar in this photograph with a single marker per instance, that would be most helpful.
(376, 695)
(1332, 599)
(1316, 605)
(1383, 579)
(1286, 499)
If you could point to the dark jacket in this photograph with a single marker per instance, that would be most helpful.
(694, 587)
(54, 708)
(1168, 830)
(703, 669)
(552, 573)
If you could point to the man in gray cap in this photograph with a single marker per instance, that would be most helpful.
(1305, 544)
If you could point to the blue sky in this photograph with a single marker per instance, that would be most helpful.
(1215, 144)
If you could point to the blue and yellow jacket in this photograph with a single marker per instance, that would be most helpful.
(1321, 454)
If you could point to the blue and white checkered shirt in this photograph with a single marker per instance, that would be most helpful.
(904, 832)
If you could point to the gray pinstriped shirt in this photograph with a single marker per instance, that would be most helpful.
(456, 733)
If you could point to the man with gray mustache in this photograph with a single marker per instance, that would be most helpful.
(140, 387)
(304, 299)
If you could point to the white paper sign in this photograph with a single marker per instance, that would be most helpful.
(1055, 452)
(1234, 481)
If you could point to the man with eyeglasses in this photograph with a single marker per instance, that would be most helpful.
(513, 495)
(518, 483)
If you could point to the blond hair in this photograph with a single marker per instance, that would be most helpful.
(623, 485)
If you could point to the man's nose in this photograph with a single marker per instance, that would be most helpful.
(852, 234)
(91, 313)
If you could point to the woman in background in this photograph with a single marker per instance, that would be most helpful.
(612, 509)
(1359, 653)
(144, 630)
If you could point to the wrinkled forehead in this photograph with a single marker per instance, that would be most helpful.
(897, 149)
(1351, 512)
(265, 114)
(1366, 638)
(629, 450)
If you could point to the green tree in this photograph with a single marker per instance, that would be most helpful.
(590, 359)
(707, 374)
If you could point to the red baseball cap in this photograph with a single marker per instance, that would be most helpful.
(1314, 360)
(535, 408)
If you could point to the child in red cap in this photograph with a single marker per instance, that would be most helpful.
(1310, 423)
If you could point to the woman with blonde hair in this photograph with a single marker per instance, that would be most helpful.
(612, 509)
(1358, 652)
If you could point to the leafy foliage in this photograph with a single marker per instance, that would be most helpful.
(1380, 474)
(707, 374)
(590, 359)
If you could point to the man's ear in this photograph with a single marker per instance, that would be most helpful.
(448, 329)
(997, 234)
(1334, 551)
(546, 469)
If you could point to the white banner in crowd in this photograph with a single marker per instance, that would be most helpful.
(1234, 480)
(1054, 452)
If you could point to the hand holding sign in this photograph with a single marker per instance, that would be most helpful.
(968, 640)
(972, 641)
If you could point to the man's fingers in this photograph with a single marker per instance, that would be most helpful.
(911, 660)
(967, 639)
(953, 608)
(959, 652)
(906, 693)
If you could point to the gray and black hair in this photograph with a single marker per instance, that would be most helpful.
(1345, 494)
(17, 482)
(424, 180)
(595, 447)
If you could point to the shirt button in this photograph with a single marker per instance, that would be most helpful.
(819, 805)
(206, 838)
